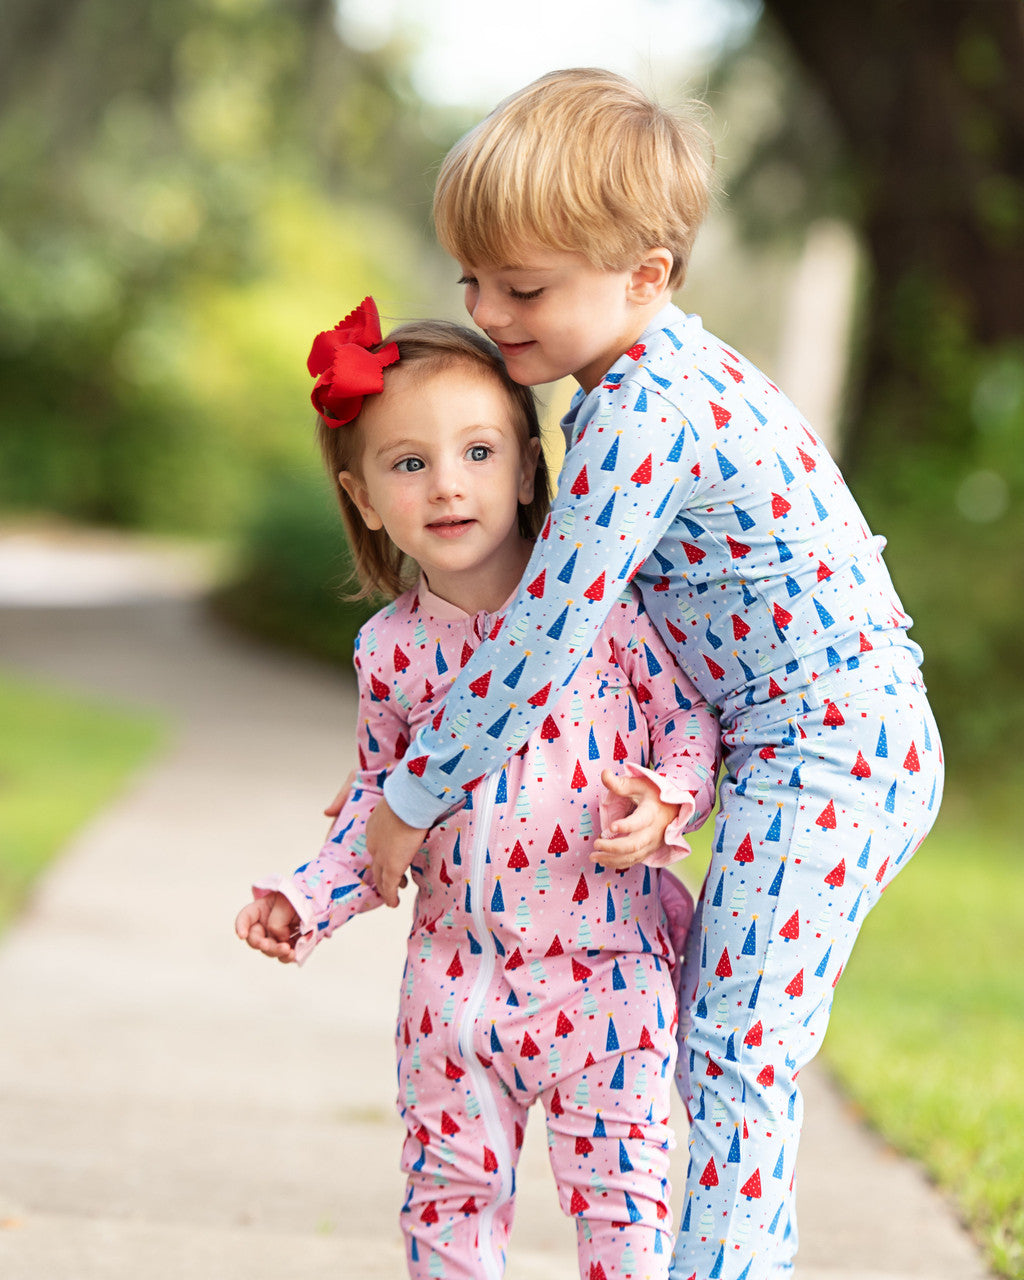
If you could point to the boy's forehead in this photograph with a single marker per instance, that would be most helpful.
(531, 258)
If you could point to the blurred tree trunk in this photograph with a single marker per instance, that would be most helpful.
(929, 98)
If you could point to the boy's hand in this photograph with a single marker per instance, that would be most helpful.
(629, 840)
(391, 844)
(270, 925)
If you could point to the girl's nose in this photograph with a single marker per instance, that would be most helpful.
(447, 479)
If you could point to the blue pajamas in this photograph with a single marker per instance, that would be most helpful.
(691, 474)
(811, 830)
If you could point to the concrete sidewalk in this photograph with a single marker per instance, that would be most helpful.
(174, 1106)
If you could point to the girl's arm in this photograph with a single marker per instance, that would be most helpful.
(652, 802)
(621, 486)
(337, 883)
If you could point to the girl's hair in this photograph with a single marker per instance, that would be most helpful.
(580, 160)
(429, 346)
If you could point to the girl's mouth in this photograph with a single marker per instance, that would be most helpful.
(452, 527)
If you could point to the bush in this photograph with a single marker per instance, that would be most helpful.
(951, 502)
(294, 570)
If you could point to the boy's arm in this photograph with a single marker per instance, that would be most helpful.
(337, 884)
(621, 486)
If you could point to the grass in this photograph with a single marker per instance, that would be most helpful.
(61, 758)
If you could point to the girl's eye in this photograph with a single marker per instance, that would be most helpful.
(409, 464)
(525, 297)
(467, 281)
(479, 453)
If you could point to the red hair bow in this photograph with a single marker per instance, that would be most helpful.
(344, 367)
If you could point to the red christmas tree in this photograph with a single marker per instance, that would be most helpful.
(827, 818)
(837, 875)
(558, 844)
(480, 685)
(791, 929)
(745, 853)
(642, 475)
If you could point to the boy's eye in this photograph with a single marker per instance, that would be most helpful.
(479, 453)
(409, 464)
(528, 296)
(467, 281)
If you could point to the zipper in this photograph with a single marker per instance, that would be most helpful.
(484, 976)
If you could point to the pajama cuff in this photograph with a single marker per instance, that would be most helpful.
(412, 802)
(306, 941)
(671, 791)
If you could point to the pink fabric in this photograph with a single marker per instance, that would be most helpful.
(534, 973)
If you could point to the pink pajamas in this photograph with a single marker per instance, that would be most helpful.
(533, 973)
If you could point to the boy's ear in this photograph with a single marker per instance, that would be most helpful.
(528, 471)
(651, 277)
(360, 495)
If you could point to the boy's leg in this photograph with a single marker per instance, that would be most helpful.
(812, 830)
(464, 1136)
(609, 1143)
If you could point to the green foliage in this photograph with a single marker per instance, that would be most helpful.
(943, 479)
(927, 1033)
(183, 205)
(295, 572)
(780, 160)
(61, 759)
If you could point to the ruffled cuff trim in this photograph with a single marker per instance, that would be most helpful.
(671, 791)
(284, 885)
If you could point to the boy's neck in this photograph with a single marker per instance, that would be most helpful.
(640, 322)
(647, 313)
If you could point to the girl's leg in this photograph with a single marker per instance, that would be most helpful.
(464, 1135)
(609, 1141)
(813, 827)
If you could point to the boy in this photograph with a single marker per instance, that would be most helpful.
(572, 210)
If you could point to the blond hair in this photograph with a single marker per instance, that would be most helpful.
(580, 160)
(429, 346)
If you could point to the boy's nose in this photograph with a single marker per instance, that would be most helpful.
(488, 311)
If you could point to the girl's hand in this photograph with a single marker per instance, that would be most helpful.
(334, 808)
(391, 844)
(270, 925)
(631, 839)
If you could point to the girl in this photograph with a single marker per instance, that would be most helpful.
(688, 470)
(539, 959)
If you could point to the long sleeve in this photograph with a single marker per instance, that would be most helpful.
(334, 886)
(620, 489)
